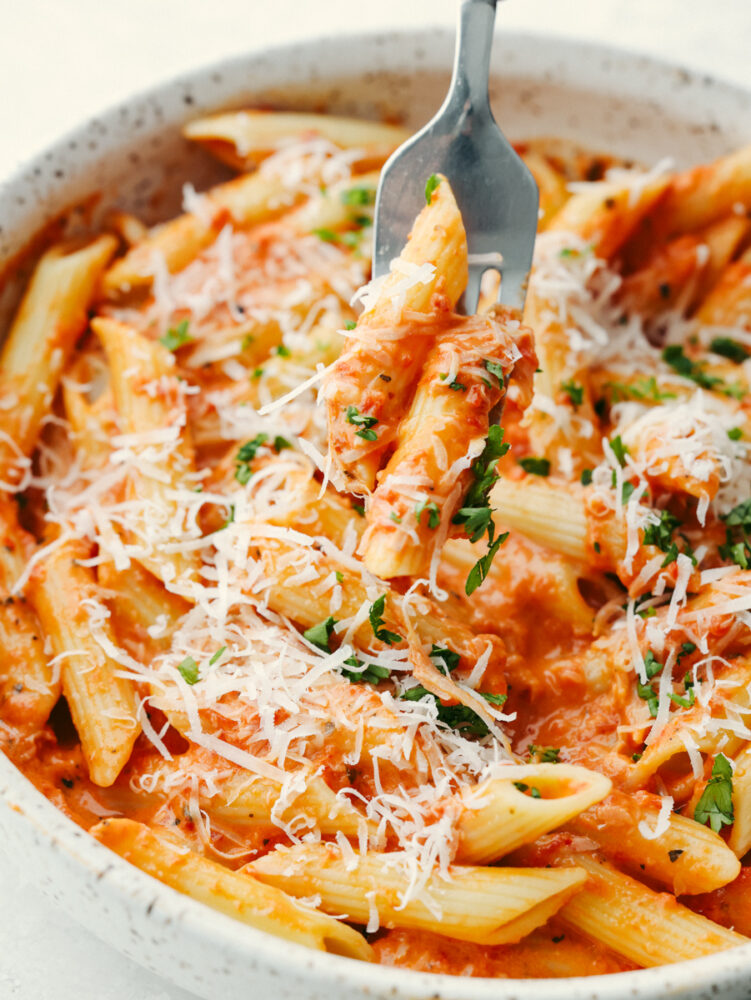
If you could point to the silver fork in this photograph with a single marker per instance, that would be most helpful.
(495, 191)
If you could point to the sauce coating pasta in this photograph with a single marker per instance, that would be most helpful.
(290, 623)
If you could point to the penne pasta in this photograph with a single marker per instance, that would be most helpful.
(645, 926)
(490, 905)
(241, 897)
(51, 318)
(152, 417)
(377, 366)
(65, 597)
(244, 138)
(497, 817)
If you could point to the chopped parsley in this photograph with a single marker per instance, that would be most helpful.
(188, 670)
(362, 674)
(325, 234)
(642, 389)
(375, 616)
(282, 352)
(481, 568)
(456, 386)
(726, 347)
(495, 368)
(176, 336)
(535, 466)
(476, 520)
(475, 515)
(339, 576)
(362, 421)
(716, 803)
(358, 196)
(646, 692)
(350, 324)
(661, 534)
(735, 433)
(280, 443)
(359, 508)
(737, 547)
(320, 635)
(449, 658)
(245, 455)
(687, 700)
(545, 755)
(465, 720)
(432, 183)
(574, 391)
(687, 648)
(434, 514)
(586, 477)
(620, 450)
(674, 355)
(534, 792)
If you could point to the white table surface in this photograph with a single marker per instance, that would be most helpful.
(61, 60)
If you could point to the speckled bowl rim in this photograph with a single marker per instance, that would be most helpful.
(710, 974)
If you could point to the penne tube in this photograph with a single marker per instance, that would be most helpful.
(722, 240)
(739, 840)
(486, 905)
(300, 603)
(661, 284)
(607, 212)
(129, 228)
(243, 202)
(242, 897)
(338, 206)
(139, 601)
(555, 578)
(497, 817)
(29, 684)
(52, 316)
(246, 800)
(244, 138)
(556, 515)
(66, 598)
(685, 856)
(728, 303)
(369, 387)
(730, 702)
(154, 423)
(551, 183)
(647, 927)
(444, 430)
(700, 195)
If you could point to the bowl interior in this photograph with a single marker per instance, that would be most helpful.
(133, 157)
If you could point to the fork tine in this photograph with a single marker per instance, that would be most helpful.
(472, 292)
(513, 290)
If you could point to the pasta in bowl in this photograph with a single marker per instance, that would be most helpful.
(296, 638)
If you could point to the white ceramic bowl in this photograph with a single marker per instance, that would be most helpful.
(133, 155)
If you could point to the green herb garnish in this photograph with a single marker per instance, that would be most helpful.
(535, 466)
(188, 670)
(716, 803)
(375, 616)
(432, 183)
(176, 336)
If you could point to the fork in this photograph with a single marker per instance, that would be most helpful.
(495, 192)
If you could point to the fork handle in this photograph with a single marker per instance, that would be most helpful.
(468, 93)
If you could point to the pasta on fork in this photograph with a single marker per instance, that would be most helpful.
(291, 622)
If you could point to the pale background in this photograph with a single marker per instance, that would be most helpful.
(61, 60)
